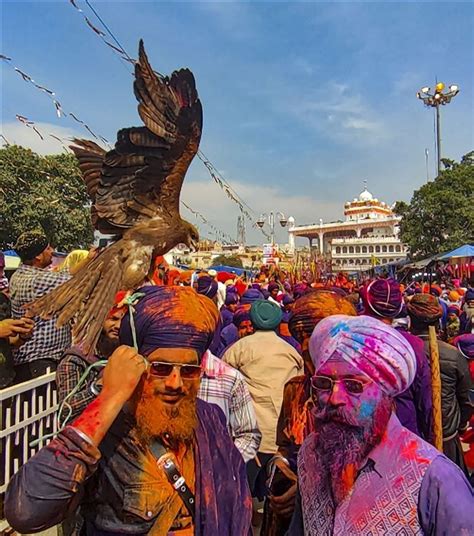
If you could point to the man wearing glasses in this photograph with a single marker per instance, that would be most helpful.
(361, 472)
(146, 456)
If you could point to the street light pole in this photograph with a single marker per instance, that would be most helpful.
(438, 138)
(435, 99)
(271, 222)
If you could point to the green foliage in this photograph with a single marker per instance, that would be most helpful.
(232, 260)
(400, 208)
(440, 216)
(43, 192)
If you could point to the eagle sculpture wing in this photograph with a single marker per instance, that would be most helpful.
(135, 191)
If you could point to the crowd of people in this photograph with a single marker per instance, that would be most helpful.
(203, 393)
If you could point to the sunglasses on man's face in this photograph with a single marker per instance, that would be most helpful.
(351, 385)
(162, 370)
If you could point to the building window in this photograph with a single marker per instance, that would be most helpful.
(371, 249)
(390, 248)
(351, 249)
(344, 249)
(398, 249)
(357, 249)
(364, 249)
(377, 249)
(384, 249)
(338, 249)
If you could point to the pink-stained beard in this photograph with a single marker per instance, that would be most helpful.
(341, 444)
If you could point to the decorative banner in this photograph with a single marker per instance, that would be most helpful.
(60, 112)
(218, 233)
(216, 176)
(118, 49)
(51, 94)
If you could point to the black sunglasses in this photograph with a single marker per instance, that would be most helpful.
(162, 370)
(323, 383)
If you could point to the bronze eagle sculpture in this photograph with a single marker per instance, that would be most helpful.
(134, 190)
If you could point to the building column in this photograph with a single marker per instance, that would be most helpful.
(321, 242)
(291, 242)
(359, 232)
(310, 243)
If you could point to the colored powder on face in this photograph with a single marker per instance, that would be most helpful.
(366, 409)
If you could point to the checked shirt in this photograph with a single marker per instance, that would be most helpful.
(27, 284)
(224, 386)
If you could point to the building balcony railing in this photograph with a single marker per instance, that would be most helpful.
(388, 239)
(368, 254)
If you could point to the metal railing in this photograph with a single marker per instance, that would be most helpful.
(27, 412)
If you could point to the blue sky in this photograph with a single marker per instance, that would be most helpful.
(302, 101)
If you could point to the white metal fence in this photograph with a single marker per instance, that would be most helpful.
(27, 412)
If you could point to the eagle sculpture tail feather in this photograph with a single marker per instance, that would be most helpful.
(87, 297)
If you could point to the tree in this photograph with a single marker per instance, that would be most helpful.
(45, 193)
(440, 216)
(400, 208)
(232, 260)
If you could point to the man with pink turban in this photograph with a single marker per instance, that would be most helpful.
(361, 472)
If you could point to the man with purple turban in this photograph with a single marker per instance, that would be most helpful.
(383, 299)
(146, 456)
(231, 333)
(228, 309)
(425, 311)
(361, 472)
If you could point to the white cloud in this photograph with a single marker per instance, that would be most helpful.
(207, 198)
(19, 134)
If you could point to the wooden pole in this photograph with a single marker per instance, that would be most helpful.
(436, 389)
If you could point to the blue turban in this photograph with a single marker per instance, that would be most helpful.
(171, 317)
(251, 295)
(265, 315)
(231, 298)
(207, 286)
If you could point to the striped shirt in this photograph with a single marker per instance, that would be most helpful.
(224, 386)
(27, 284)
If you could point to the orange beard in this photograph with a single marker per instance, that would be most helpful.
(156, 419)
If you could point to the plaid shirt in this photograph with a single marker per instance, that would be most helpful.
(70, 370)
(224, 386)
(27, 284)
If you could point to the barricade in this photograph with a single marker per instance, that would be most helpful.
(27, 412)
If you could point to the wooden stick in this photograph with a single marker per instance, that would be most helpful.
(436, 389)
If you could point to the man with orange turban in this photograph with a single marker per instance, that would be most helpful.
(146, 456)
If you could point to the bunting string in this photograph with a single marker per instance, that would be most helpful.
(214, 173)
(217, 232)
(60, 112)
(244, 208)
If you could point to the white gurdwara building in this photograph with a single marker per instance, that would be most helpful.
(368, 236)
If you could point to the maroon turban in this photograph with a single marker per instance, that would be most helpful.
(382, 297)
(425, 308)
